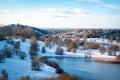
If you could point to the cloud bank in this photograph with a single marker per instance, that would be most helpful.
(59, 18)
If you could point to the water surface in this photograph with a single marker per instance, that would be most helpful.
(89, 70)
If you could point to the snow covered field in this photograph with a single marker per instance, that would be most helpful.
(17, 67)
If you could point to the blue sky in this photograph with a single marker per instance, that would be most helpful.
(61, 13)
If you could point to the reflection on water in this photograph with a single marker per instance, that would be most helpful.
(89, 70)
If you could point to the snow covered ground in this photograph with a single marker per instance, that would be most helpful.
(17, 68)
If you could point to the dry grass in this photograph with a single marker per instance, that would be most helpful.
(116, 60)
(64, 76)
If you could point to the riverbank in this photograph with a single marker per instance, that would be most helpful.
(106, 60)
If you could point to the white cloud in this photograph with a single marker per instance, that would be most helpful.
(5, 11)
(60, 17)
(111, 6)
(101, 2)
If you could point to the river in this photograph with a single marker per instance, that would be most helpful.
(88, 69)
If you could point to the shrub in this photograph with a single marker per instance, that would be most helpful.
(22, 54)
(4, 75)
(35, 64)
(60, 42)
(113, 47)
(2, 55)
(102, 49)
(23, 39)
(55, 39)
(118, 39)
(76, 41)
(34, 43)
(71, 46)
(82, 43)
(8, 51)
(34, 46)
(43, 60)
(56, 66)
(43, 50)
(93, 45)
(16, 45)
(2, 38)
(59, 70)
(25, 78)
(109, 53)
(52, 64)
(118, 56)
(59, 50)
(47, 42)
(74, 50)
